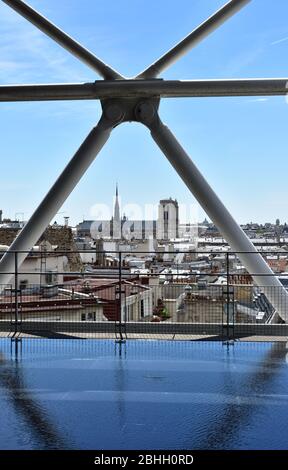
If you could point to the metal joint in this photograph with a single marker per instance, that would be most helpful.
(120, 110)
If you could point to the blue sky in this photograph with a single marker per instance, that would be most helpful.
(238, 143)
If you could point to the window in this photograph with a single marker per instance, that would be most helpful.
(128, 308)
(23, 284)
(142, 309)
(91, 316)
(50, 277)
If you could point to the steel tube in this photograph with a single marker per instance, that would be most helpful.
(206, 28)
(142, 88)
(215, 209)
(55, 198)
(63, 39)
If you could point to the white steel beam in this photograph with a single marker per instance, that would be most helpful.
(63, 39)
(103, 89)
(190, 41)
(231, 231)
(55, 198)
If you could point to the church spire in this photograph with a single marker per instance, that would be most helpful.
(116, 207)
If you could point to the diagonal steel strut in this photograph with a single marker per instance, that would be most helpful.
(63, 39)
(54, 199)
(215, 209)
(184, 46)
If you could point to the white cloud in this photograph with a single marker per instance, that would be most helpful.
(243, 60)
(26, 55)
(279, 41)
(14, 186)
(258, 100)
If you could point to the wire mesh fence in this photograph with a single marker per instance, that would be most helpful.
(213, 300)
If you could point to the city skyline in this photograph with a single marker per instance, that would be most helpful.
(37, 139)
(146, 212)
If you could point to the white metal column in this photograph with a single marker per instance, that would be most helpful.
(231, 231)
(55, 198)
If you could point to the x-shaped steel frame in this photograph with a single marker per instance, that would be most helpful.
(137, 99)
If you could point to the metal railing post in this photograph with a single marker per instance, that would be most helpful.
(120, 297)
(16, 291)
(226, 320)
(120, 287)
(230, 304)
(227, 293)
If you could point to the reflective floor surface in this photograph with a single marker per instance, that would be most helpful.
(95, 394)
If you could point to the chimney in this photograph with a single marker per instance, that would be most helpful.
(66, 221)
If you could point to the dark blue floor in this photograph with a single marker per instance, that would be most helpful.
(93, 394)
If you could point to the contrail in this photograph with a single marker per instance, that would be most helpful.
(279, 41)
